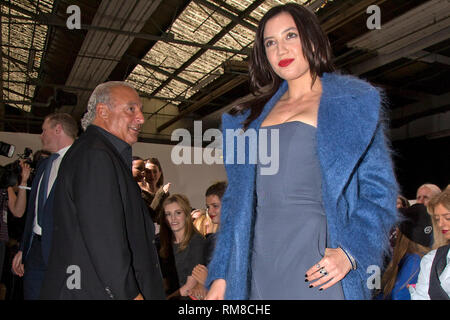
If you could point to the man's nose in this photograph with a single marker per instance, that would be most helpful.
(140, 117)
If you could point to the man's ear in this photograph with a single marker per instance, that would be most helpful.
(58, 128)
(102, 111)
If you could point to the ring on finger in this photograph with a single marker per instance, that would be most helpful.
(323, 271)
(318, 266)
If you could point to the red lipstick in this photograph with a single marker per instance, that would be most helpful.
(444, 231)
(285, 62)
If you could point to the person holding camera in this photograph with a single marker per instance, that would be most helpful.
(14, 198)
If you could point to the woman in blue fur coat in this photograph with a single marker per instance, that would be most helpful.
(339, 118)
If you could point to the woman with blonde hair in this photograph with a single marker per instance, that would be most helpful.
(182, 247)
(204, 224)
(434, 278)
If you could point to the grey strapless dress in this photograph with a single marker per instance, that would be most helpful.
(290, 234)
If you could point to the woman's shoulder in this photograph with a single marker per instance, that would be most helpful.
(338, 84)
(347, 82)
(197, 238)
(412, 259)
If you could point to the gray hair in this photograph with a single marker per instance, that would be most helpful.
(433, 188)
(101, 94)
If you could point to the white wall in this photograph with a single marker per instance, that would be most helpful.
(191, 180)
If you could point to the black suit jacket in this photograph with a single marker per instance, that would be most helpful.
(47, 219)
(103, 239)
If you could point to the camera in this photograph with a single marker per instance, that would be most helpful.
(6, 149)
(10, 174)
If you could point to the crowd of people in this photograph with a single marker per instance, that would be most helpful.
(101, 224)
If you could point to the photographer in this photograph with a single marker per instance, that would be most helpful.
(14, 198)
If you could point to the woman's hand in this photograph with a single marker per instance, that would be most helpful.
(199, 292)
(166, 187)
(200, 273)
(333, 267)
(26, 170)
(217, 290)
(186, 288)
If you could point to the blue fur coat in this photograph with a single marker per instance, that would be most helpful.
(358, 185)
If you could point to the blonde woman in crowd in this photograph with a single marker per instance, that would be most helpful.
(434, 277)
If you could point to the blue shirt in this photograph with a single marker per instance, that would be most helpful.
(408, 272)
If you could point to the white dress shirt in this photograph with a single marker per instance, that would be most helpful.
(420, 292)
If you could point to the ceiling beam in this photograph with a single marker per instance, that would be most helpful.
(204, 100)
(346, 15)
(412, 48)
(158, 69)
(53, 20)
(225, 5)
(216, 38)
(429, 57)
(426, 107)
(226, 14)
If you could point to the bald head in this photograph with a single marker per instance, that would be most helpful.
(425, 192)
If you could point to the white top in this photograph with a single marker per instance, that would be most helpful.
(423, 281)
(51, 180)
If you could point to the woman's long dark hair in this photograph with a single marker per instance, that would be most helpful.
(264, 82)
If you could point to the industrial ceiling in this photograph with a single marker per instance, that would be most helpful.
(188, 59)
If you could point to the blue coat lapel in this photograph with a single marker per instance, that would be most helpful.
(346, 112)
(340, 105)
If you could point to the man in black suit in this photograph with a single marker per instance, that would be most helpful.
(103, 243)
(59, 131)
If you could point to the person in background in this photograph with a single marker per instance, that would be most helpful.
(196, 213)
(213, 199)
(138, 167)
(434, 277)
(182, 246)
(204, 224)
(14, 199)
(154, 191)
(413, 242)
(59, 131)
(402, 202)
(425, 192)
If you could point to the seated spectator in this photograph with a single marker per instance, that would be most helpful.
(434, 277)
(181, 246)
(413, 242)
(213, 196)
(425, 192)
(402, 202)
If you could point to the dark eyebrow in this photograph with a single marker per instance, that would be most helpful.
(288, 29)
